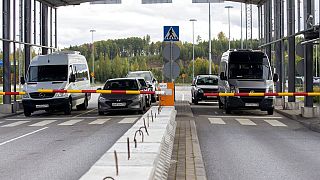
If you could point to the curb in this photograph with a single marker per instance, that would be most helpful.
(10, 115)
(290, 116)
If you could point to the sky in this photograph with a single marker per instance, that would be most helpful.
(131, 18)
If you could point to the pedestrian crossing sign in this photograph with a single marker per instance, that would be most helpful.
(170, 33)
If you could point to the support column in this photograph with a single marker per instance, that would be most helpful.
(268, 27)
(278, 45)
(44, 27)
(291, 49)
(6, 50)
(27, 34)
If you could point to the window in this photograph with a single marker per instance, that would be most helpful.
(207, 81)
(81, 72)
(121, 84)
(146, 75)
(48, 73)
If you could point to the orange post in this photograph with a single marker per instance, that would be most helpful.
(168, 98)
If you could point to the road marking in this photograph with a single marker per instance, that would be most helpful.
(43, 123)
(182, 97)
(127, 120)
(15, 124)
(1, 122)
(3, 143)
(100, 121)
(251, 117)
(32, 119)
(246, 122)
(70, 123)
(85, 113)
(275, 123)
(216, 121)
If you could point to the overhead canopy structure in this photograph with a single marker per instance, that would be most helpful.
(57, 3)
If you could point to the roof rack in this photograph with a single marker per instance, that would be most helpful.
(67, 52)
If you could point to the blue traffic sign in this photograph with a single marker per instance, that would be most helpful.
(170, 33)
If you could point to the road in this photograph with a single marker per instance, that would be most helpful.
(55, 146)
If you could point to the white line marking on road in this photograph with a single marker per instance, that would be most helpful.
(127, 120)
(85, 113)
(246, 122)
(216, 121)
(43, 123)
(70, 123)
(100, 121)
(15, 124)
(252, 117)
(3, 143)
(275, 123)
(1, 122)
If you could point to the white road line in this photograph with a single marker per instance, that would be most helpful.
(100, 121)
(70, 123)
(15, 124)
(182, 97)
(1, 122)
(246, 122)
(43, 123)
(3, 143)
(275, 123)
(216, 121)
(251, 117)
(85, 113)
(127, 120)
(32, 119)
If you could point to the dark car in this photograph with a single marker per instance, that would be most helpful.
(146, 87)
(204, 84)
(122, 102)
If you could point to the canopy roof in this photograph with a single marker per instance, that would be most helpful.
(57, 3)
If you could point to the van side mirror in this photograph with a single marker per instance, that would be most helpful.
(72, 78)
(22, 80)
(275, 78)
(223, 76)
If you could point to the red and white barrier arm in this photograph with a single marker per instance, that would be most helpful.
(263, 94)
(99, 91)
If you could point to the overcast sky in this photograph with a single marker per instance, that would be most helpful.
(131, 18)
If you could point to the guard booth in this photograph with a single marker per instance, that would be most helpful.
(168, 98)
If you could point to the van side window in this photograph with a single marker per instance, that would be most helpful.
(81, 72)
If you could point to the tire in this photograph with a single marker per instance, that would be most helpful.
(270, 111)
(196, 102)
(27, 112)
(68, 108)
(84, 105)
(226, 108)
(220, 104)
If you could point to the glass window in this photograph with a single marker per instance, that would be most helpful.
(48, 73)
(146, 75)
(125, 84)
(207, 81)
(142, 82)
(81, 72)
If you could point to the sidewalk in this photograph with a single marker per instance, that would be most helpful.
(186, 159)
(310, 123)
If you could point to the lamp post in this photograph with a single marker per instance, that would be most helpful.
(92, 76)
(229, 7)
(210, 60)
(193, 20)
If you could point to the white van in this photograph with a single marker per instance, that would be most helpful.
(67, 70)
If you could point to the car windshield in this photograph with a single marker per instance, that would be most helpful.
(249, 66)
(142, 82)
(207, 81)
(48, 73)
(125, 84)
(145, 75)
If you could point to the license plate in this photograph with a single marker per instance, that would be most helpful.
(252, 104)
(42, 106)
(118, 104)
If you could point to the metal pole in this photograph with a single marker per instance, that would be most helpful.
(51, 50)
(171, 77)
(6, 50)
(20, 39)
(299, 15)
(14, 52)
(27, 34)
(34, 22)
(241, 28)
(192, 49)
(246, 9)
(44, 27)
(92, 55)
(210, 60)
(229, 25)
(291, 49)
(56, 28)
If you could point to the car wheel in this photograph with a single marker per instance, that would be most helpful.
(220, 104)
(227, 109)
(27, 112)
(84, 105)
(270, 111)
(68, 108)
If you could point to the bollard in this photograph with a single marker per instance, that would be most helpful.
(116, 160)
(135, 140)
(151, 117)
(108, 177)
(144, 126)
(128, 145)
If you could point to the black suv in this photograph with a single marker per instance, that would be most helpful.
(204, 84)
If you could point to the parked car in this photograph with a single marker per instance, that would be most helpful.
(146, 87)
(122, 102)
(61, 70)
(245, 71)
(150, 79)
(204, 84)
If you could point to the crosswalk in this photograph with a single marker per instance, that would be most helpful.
(253, 121)
(65, 122)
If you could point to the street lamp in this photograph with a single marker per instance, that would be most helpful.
(229, 7)
(92, 75)
(193, 20)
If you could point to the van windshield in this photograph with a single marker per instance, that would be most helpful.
(48, 73)
(249, 66)
(123, 84)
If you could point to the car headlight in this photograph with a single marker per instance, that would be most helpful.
(26, 95)
(101, 98)
(233, 89)
(200, 91)
(60, 94)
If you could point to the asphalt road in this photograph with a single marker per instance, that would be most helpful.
(250, 145)
(55, 146)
